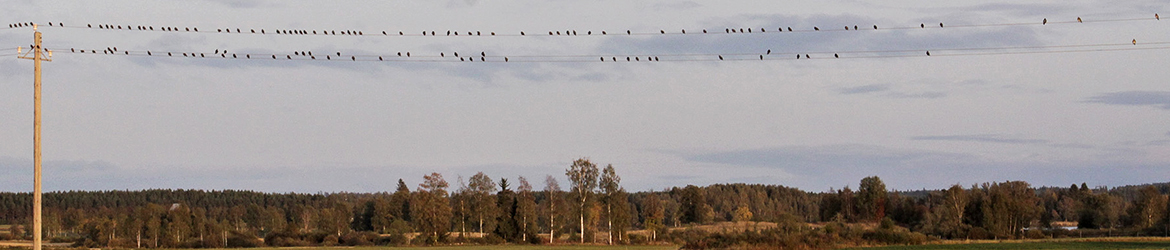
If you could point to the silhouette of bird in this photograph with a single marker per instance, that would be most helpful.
(505, 59)
(847, 27)
(761, 57)
(940, 25)
(399, 53)
(875, 26)
(815, 28)
(493, 33)
(637, 59)
(1079, 20)
(168, 53)
(854, 27)
(627, 59)
(379, 58)
(662, 31)
(482, 53)
(614, 58)
(399, 33)
(603, 33)
(727, 30)
(477, 33)
(456, 53)
(1156, 16)
(196, 29)
(353, 58)
(769, 52)
(253, 31)
(339, 53)
(797, 56)
(522, 33)
(574, 33)
(656, 58)
(288, 57)
(441, 54)
(740, 30)
(836, 56)
(721, 57)
(1134, 41)
(684, 31)
(603, 59)
(462, 60)
(407, 54)
(806, 56)
(927, 53)
(789, 28)
(923, 25)
(628, 32)
(89, 25)
(704, 31)
(273, 56)
(148, 53)
(1045, 22)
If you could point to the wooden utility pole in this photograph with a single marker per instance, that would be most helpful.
(37, 57)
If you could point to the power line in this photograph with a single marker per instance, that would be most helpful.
(567, 32)
(443, 57)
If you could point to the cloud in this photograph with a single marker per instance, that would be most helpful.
(979, 138)
(1160, 99)
(863, 89)
(885, 88)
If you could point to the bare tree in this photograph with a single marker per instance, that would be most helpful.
(552, 190)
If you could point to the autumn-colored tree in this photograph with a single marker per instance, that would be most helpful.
(610, 184)
(743, 213)
(654, 213)
(1148, 209)
(483, 205)
(430, 208)
(871, 198)
(583, 176)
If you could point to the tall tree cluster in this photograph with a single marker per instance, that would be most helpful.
(594, 209)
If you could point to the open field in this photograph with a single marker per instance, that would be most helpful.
(498, 247)
(1062, 244)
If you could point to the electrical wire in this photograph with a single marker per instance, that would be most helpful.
(569, 32)
(442, 57)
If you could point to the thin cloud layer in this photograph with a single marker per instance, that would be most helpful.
(1159, 99)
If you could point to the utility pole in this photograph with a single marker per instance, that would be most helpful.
(37, 57)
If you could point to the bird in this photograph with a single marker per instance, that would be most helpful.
(815, 28)
(148, 53)
(684, 31)
(721, 57)
(379, 58)
(339, 53)
(940, 25)
(407, 54)
(441, 54)
(846, 27)
(628, 32)
(769, 52)
(493, 33)
(854, 27)
(168, 53)
(662, 31)
(923, 25)
(1156, 17)
(462, 60)
(836, 56)
(789, 28)
(288, 57)
(399, 32)
(875, 26)
(399, 53)
(1079, 20)
(1045, 22)
(522, 33)
(761, 57)
(704, 31)
(505, 59)
(482, 53)
(627, 59)
(353, 58)
(603, 33)
(637, 59)
(1134, 41)
(574, 33)
(614, 58)
(797, 56)
(603, 59)
(927, 53)
(274, 57)
(727, 30)
(806, 56)
(456, 53)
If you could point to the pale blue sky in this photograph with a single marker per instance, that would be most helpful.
(114, 122)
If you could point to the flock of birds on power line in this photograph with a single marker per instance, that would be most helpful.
(568, 32)
(484, 57)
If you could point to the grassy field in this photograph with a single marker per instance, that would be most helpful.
(500, 247)
(1119, 243)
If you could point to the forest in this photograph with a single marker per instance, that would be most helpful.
(591, 208)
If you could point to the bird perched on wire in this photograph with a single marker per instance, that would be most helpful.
(721, 57)
(1134, 41)
(1045, 22)
(836, 56)
(927, 53)
(1079, 20)
(1156, 17)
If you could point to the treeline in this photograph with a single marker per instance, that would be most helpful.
(591, 208)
